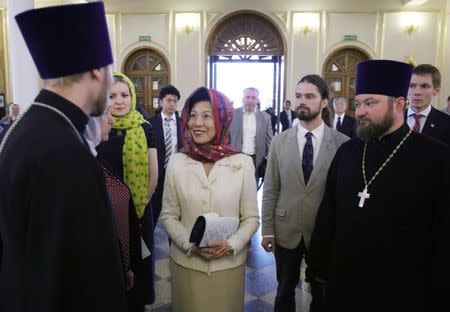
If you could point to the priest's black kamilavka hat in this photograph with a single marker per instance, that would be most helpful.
(383, 77)
(67, 39)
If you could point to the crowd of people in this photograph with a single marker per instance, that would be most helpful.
(363, 200)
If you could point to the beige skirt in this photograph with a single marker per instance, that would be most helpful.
(194, 291)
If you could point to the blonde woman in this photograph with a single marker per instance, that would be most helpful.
(131, 154)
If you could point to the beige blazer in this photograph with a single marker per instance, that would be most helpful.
(264, 133)
(289, 207)
(229, 190)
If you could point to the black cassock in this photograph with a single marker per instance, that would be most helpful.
(392, 254)
(60, 249)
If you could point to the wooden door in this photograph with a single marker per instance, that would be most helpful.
(149, 72)
(340, 73)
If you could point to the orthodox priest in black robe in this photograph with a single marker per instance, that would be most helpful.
(60, 249)
(382, 236)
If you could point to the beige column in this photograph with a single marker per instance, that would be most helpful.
(24, 76)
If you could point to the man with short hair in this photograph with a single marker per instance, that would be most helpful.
(447, 109)
(251, 130)
(342, 122)
(422, 117)
(167, 134)
(273, 119)
(60, 245)
(294, 184)
(383, 226)
(287, 116)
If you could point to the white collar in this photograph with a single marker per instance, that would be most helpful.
(164, 116)
(317, 132)
(425, 112)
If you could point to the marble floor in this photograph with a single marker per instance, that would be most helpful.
(260, 278)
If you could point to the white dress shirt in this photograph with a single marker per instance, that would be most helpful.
(411, 121)
(317, 136)
(173, 129)
(336, 120)
(249, 133)
(289, 117)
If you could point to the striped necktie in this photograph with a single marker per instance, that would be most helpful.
(416, 127)
(167, 140)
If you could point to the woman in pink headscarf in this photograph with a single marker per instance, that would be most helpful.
(208, 176)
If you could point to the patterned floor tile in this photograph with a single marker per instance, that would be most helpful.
(248, 297)
(162, 268)
(258, 284)
(160, 253)
(162, 294)
(270, 270)
(258, 305)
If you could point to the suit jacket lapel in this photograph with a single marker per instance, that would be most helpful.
(198, 171)
(325, 148)
(179, 142)
(293, 152)
(159, 131)
(430, 123)
(259, 122)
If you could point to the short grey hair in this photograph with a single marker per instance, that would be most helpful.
(338, 98)
(64, 81)
(251, 89)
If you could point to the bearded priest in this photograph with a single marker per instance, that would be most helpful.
(382, 233)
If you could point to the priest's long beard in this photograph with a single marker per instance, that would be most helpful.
(374, 130)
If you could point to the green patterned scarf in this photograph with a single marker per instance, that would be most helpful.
(135, 151)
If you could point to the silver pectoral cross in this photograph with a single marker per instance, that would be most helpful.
(363, 196)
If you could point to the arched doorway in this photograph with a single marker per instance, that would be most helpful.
(340, 73)
(246, 49)
(149, 71)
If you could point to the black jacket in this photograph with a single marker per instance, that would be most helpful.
(348, 126)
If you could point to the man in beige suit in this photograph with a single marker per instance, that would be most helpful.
(296, 172)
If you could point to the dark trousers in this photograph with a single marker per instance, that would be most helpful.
(288, 263)
(146, 278)
(256, 169)
(156, 200)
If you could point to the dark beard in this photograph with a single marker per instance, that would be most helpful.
(372, 131)
(307, 114)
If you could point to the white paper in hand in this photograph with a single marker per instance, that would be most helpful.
(218, 228)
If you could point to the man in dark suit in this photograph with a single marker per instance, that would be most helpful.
(343, 123)
(167, 135)
(287, 116)
(422, 117)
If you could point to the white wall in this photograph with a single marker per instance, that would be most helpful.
(377, 25)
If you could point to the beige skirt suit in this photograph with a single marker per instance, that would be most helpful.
(230, 191)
